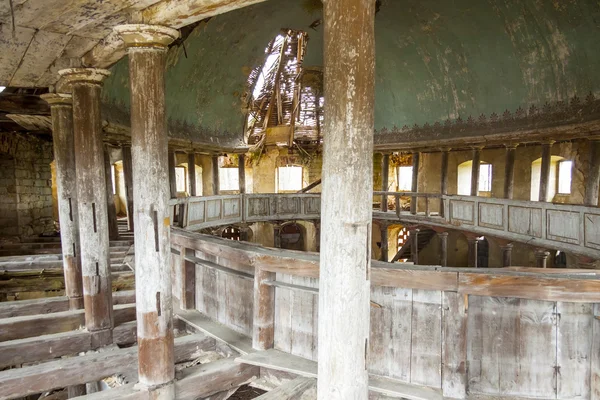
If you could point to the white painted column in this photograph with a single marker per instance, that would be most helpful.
(147, 48)
(346, 214)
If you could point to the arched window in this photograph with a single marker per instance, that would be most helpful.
(231, 233)
(464, 178)
(561, 173)
(291, 236)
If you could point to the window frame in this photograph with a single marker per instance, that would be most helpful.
(185, 179)
(407, 167)
(491, 177)
(277, 185)
(558, 176)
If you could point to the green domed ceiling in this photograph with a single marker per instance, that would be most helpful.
(435, 60)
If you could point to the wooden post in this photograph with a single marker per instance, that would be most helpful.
(444, 178)
(264, 310)
(472, 261)
(188, 279)
(415, 181)
(509, 171)
(113, 227)
(545, 170)
(346, 206)
(61, 106)
(192, 173)
(414, 245)
(86, 85)
(215, 175)
(541, 258)
(592, 183)
(128, 175)
(147, 49)
(384, 241)
(172, 175)
(242, 172)
(277, 235)
(385, 172)
(443, 248)
(475, 172)
(507, 255)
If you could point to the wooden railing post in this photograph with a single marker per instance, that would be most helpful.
(263, 337)
(188, 279)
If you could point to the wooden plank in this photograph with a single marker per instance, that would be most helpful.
(13, 49)
(595, 355)
(304, 317)
(220, 332)
(283, 315)
(36, 325)
(454, 345)
(574, 349)
(46, 347)
(534, 288)
(426, 357)
(414, 279)
(390, 387)
(292, 390)
(263, 321)
(91, 367)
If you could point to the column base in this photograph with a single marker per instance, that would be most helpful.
(166, 391)
(101, 338)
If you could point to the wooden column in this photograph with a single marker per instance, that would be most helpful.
(61, 106)
(215, 175)
(415, 181)
(472, 260)
(509, 171)
(385, 174)
(188, 279)
(592, 181)
(277, 235)
(384, 241)
(147, 49)
(444, 178)
(192, 173)
(86, 85)
(443, 248)
(541, 258)
(113, 227)
(347, 198)
(414, 245)
(264, 310)
(507, 255)
(128, 175)
(545, 170)
(172, 175)
(242, 172)
(475, 172)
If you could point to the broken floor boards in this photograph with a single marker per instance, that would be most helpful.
(37, 325)
(47, 305)
(47, 347)
(278, 360)
(39, 378)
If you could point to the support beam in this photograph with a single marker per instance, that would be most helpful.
(192, 173)
(215, 175)
(385, 175)
(172, 176)
(443, 248)
(264, 310)
(472, 260)
(188, 279)
(416, 156)
(444, 178)
(242, 172)
(128, 175)
(86, 85)
(113, 227)
(507, 255)
(346, 207)
(592, 182)
(509, 171)
(545, 171)
(147, 47)
(66, 187)
(475, 171)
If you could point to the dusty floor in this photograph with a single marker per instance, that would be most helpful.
(246, 393)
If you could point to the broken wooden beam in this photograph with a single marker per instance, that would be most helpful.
(47, 347)
(36, 325)
(39, 378)
(292, 390)
(23, 104)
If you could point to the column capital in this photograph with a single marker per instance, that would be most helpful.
(57, 99)
(511, 146)
(442, 234)
(548, 142)
(594, 138)
(146, 36)
(477, 147)
(89, 76)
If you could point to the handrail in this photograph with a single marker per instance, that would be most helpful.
(572, 228)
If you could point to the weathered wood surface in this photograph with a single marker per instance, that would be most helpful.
(49, 305)
(91, 367)
(51, 280)
(292, 390)
(46, 347)
(36, 325)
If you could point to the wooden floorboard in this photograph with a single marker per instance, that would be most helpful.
(292, 390)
